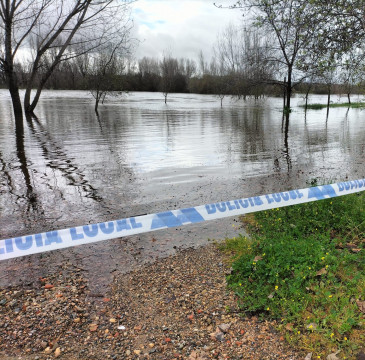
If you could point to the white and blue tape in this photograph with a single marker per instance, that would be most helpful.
(59, 239)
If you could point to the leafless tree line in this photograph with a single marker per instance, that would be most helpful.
(243, 65)
(282, 46)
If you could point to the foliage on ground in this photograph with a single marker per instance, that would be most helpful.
(354, 105)
(304, 265)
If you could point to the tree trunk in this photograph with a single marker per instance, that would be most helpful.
(284, 94)
(348, 96)
(306, 100)
(306, 97)
(15, 98)
(96, 104)
(28, 91)
(30, 106)
(8, 68)
(288, 96)
(288, 89)
(20, 151)
(286, 142)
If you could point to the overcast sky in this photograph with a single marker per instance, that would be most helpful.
(183, 26)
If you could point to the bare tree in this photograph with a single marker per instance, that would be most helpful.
(102, 72)
(187, 68)
(244, 60)
(148, 65)
(54, 31)
(169, 70)
(203, 65)
(190, 68)
(230, 49)
(221, 83)
(149, 74)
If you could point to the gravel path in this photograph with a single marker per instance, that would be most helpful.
(175, 308)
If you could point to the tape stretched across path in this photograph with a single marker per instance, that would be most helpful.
(59, 239)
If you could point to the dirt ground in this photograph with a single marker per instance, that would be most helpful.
(175, 308)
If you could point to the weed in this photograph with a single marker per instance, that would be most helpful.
(287, 110)
(355, 105)
(304, 264)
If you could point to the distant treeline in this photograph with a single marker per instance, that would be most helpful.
(147, 75)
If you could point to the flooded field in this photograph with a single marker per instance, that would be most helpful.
(141, 156)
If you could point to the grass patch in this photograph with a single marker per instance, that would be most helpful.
(304, 265)
(355, 105)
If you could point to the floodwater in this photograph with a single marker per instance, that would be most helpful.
(141, 156)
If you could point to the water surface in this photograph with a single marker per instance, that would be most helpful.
(141, 156)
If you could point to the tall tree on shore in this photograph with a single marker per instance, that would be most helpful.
(53, 31)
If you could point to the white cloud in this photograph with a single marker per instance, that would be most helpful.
(183, 26)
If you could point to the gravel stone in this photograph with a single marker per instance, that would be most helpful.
(174, 304)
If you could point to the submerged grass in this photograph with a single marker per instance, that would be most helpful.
(305, 266)
(355, 105)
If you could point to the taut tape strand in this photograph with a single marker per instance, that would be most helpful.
(59, 239)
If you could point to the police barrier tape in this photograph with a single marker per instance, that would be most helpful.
(59, 239)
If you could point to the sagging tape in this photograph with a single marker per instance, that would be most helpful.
(59, 239)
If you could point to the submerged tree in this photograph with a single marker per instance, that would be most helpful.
(169, 69)
(102, 72)
(352, 71)
(221, 82)
(53, 31)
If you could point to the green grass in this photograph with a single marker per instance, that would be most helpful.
(355, 105)
(304, 265)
